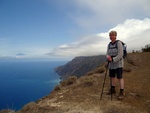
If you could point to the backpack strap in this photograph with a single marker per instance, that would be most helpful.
(116, 46)
(121, 42)
(115, 43)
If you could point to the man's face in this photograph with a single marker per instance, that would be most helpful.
(112, 37)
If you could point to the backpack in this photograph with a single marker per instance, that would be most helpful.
(124, 48)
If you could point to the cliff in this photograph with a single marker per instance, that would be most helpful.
(79, 66)
(82, 95)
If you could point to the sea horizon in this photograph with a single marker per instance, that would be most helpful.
(26, 81)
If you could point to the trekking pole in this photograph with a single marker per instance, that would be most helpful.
(111, 87)
(104, 81)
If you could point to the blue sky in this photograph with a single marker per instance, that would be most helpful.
(64, 29)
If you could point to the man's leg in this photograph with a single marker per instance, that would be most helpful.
(112, 85)
(112, 73)
(121, 82)
(113, 81)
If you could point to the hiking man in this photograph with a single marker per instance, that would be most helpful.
(115, 59)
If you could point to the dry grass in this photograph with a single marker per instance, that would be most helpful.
(90, 73)
(7, 111)
(70, 80)
(100, 70)
(58, 87)
(87, 81)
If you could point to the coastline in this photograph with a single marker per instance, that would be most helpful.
(26, 82)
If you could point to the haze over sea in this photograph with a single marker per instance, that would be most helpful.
(23, 82)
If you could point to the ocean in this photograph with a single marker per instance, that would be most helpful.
(24, 82)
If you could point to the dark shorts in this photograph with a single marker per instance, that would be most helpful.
(114, 72)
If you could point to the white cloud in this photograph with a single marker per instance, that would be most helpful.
(134, 32)
(95, 14)
(91, 17)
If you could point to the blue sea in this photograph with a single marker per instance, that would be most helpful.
(23, 82)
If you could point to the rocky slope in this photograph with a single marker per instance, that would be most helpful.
(83, 95)
(79, 66)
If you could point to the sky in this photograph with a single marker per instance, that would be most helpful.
(64, 29)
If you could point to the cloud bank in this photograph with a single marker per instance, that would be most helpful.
(134, 32)
(91, 15)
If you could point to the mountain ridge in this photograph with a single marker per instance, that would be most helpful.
(79, 66)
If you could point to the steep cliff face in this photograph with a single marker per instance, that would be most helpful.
(80, 66)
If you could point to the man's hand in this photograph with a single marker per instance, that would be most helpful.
(109, 58)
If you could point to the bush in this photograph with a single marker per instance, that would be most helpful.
(100, 70)
(146, 49)
(87, 81)
(63, 83)
(90, 73)
(57, 88)
(71, 80)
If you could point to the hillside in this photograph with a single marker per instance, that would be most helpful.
(83, 95)
(79, 66)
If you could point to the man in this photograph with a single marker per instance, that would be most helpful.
(115, 59)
